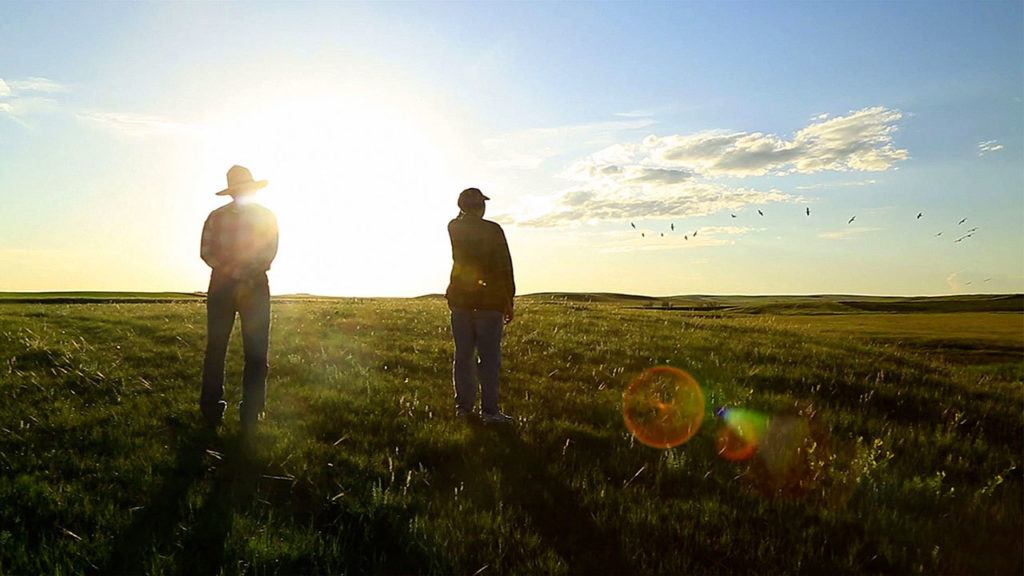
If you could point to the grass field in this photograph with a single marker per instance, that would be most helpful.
(917, 420)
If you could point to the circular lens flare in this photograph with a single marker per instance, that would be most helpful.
(740, 433)
(663, 407)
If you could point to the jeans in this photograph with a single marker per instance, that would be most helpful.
(250, 298)
(477, 334)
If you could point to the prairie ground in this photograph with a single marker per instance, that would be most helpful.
(915, 464)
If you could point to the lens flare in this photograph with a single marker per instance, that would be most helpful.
(663, 407)
(740, 433)
(793, 458)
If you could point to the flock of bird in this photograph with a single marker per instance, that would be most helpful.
(807, 210)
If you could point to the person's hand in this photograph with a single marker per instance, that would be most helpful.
(510, 313)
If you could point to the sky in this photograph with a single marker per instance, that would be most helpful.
(652, 148)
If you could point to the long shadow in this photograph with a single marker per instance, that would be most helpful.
(154, 525)
(234, 487)
(554, 508)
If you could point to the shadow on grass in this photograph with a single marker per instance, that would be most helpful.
(154, 530)
(561, 520)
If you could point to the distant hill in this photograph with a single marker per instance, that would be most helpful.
(98, 297)
(810, 304)
(743, 304)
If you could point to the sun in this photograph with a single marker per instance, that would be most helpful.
(361, 185)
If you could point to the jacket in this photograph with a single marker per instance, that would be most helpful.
(481, 275)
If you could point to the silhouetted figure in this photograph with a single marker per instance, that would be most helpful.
(480, 297)
(239, 244)
(852, 218)
(919, 214)
(694, 233)
(760, 213)
(673, 227)
(633, 225)
(808, 209)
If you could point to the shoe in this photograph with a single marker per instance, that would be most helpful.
(462, 413)
(496, 418)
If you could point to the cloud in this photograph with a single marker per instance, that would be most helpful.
(989, 146)
(952, 281)
(36, 84)
(847, 233)
(675, 175)
(138, 125)
(21, 98)
(528, 149)
(686, 200)
(859, 141)
(850, 184)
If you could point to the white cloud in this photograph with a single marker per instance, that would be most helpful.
(989, 146)
(952, 281)
(674, 176)
(138, 125)
(847, 233)
(36, 84)
(850, 184)
(858, 141)
(659, 201)
(22, 98)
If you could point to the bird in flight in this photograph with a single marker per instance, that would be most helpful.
(633, 225)
(939, 234)
(685, 237)
(987, 279)
(733, 215)
(919, 214)
(808, 210)
(852, 218)
(673, 226)
(662, 234)
(761, 213)
(961, 222)
(642, 235)
(694, 233)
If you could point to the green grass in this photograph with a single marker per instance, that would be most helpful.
(361, 467)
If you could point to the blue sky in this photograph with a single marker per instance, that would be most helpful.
(118, 121)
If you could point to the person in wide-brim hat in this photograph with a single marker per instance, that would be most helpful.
(239, 243)
(240, 182)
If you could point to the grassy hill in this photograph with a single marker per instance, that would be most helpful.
(909, 429)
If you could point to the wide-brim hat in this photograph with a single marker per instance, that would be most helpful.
(240, 180)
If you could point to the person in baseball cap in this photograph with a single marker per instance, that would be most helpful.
(480, 296)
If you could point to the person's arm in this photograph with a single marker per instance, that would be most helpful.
(208, 249)
(509, 281)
